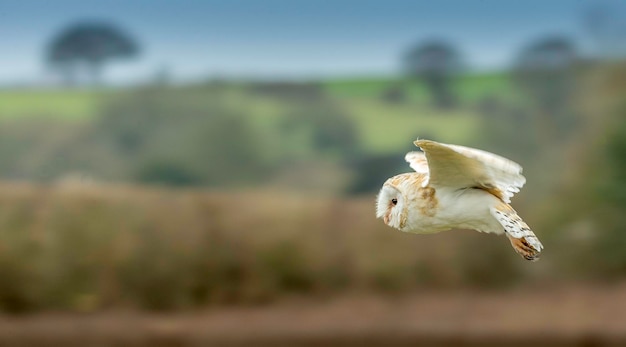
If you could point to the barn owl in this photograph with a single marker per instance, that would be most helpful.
(456, 187)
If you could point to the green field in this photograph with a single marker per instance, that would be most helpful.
(64, 104)
(80, 103)
(385, 128)
(469, 88)
(382, 126)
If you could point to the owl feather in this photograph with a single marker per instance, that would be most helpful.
(457, 187)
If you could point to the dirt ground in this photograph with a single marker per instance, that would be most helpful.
(562, 316)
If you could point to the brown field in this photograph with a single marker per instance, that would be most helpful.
(555, 316)
(85, 247)
(85, 264)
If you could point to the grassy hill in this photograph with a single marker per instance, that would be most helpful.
(57, 104)
(470, 87)
(382, 126)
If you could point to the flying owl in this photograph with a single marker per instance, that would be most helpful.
(456, 187)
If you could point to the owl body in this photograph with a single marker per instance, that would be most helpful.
(436, 210)
(455, 187)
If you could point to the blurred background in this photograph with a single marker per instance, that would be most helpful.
(197, 172)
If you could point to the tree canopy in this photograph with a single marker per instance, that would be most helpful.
(435, 62)
(89, 45)
(545, 69)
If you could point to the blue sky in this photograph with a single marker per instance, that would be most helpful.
(283, 38)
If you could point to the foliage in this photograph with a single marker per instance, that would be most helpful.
(83, 247)
(612, 191)
(293, 134)
(508, 130)
(616, 159)
(88, 44)
(435, 62)
(328, 130)
(546, 72)
(36, 149)
(469, 87)
(176, 137)
(603, 22)
(205, 135)
(394, 94)
(585, 209)
(373, 170)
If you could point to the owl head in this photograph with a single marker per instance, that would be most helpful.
(391, 206)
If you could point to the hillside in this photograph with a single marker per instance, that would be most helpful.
(382, 126)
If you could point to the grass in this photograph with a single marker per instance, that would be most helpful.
(388, 128)
(475, 86)
(360, 87)
(382, 127)
(470, 87)
(83, 103)
(78, 246)
(63, 104)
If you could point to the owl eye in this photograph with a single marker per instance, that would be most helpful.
(394, 201)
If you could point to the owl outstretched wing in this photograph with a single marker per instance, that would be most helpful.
(461, 167)
(417, 161)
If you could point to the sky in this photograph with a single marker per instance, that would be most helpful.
(282, 38)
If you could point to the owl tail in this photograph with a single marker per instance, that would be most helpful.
(523, 240)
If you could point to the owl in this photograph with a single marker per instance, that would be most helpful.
(456, 187)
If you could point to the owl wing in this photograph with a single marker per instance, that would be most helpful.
(462, 167)
(417, 161)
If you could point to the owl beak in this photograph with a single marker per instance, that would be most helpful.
(386, 219)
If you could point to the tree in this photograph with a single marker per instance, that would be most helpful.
(179, 137)
(435, 62)
(546, 72)
(88, 45)
(603, 22)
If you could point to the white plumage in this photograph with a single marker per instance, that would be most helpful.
(457, 187)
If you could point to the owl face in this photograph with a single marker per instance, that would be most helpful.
(391, 206)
